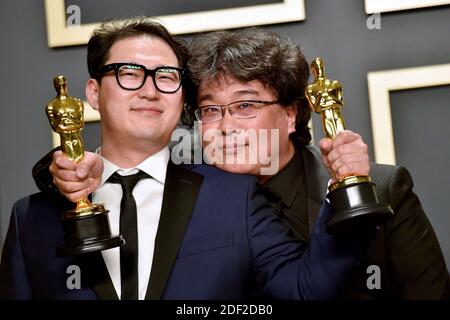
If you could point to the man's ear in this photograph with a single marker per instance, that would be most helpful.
(92, 93)
(291, 113)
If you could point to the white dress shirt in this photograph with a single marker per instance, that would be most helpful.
(148, 194)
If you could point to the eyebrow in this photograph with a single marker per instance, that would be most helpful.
(157, 66)
(236, 94)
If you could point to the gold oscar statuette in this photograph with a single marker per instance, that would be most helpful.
(86, 228)
(353, 199)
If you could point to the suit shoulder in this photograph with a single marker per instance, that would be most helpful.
(393, 183)
(25, 202)
(24, 205)
(38, 203)
(385, 173)
(380, 168)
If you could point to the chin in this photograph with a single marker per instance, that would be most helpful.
(149, 132)
(239, 168)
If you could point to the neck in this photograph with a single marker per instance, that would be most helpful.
(285, 157)
(128, 155)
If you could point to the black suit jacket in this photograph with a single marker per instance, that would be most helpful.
(405, 249)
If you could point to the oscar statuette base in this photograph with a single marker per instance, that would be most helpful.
(355, 207)
(87, 230)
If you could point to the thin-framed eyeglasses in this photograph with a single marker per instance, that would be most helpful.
(242, 109)
(132, 76)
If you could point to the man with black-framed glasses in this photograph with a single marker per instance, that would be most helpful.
(138, 117)
(131, 76)
(198, 232)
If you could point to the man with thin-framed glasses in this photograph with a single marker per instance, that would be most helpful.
(258, 65)
(241, 109)
(192, 232)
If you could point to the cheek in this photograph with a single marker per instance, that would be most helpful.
(272, 119)
(208, 132)
(111, 110)
(111, 101)
(270, 125)
(283, 124)
(272, 134)
(173, 105)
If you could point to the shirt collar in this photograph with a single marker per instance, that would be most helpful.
(286, 182)
(155, 166)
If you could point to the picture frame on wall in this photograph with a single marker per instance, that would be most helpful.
(60, 34)
(379, 6)
(380, 85)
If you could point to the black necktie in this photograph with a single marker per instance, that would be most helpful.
(128, 229)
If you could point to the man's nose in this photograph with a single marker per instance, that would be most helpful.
(149, 89)
(228, 123)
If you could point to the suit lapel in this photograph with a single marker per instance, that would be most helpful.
(180, 194)
(97, 276)
(316, 179)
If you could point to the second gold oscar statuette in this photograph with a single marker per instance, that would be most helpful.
(354, 200)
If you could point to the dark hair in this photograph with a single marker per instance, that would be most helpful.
(114, 30)
(255, 54)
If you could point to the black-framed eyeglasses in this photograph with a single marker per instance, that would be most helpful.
(242, 109)
(132, 76)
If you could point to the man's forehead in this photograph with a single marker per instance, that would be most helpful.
(138, 45)
(212, 87)
(141, 37)
(220, 79)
